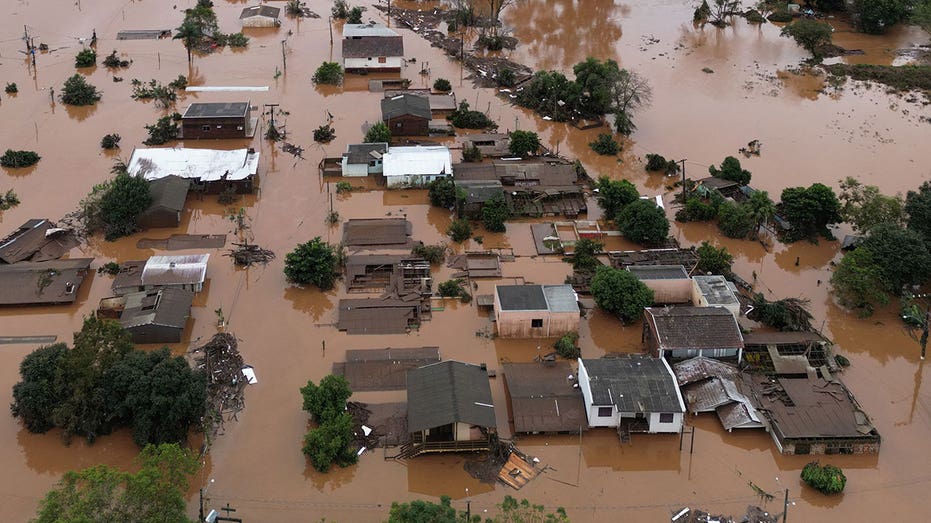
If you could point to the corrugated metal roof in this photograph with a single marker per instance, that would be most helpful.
(36, 240)
(417, 160)
(543, 398)
(370, 29)
(377, 232)
(448, 392)
(376, 315)
(695, 328)
(634, 383)
(357, 153)
(658, 272)
(373, 46)
(700, 368)
(216, 110)
(186, 269)
(42, 282)
(206, 165)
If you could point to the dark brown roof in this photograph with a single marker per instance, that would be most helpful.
(36, 240)
(449, 392)
(519, 173)
(694, 328)
(715, 183)
(811, 408)
(165, 307)
(216, 110)
(169, 193)
(373, 46)
(384, 369)
(405, 104)
(377, 232)
(57, 281)
(543, 398)
(377, 315)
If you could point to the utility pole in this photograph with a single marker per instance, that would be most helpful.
(684, 186)
(785, 507)
(468, 506)
(271, 112)
(330, 24)
(284, 59)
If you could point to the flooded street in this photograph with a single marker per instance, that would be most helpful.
(288, 334)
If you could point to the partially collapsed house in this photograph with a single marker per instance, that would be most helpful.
(687, 258)
(449, 408)
(710, 385)
(491, 145)
(791, 354)
(209, 170)
(168, 197)
(371, 47)
(684, 332)
(535, 311)
(188, 272)
(37, 240)
(394, 273)
(633, 393)
(475, 265)
(814, 416)
(530, 188)
(42, 283)
(383, 369)
(156, 316)
(544, 397)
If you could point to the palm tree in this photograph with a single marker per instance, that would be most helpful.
(762, 208)
(191, 34)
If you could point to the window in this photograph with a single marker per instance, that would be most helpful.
(605, 412)
(382, 60)
(369, 59)
(205, 128)
(666, 417)
(239, 128)
(536, 323)
(219, 127)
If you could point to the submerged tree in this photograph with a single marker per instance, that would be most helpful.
(378, 133)
(809, 34)
(191, 35)
(621, 293)
(77, 91)
(313, 262)
(864, 207)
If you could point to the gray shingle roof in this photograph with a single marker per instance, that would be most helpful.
(633, 382)
(404, 104)
(695, 328)
(448, 392)
(372, 46)
(167, 307)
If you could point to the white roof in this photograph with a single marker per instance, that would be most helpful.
(206, 165)
(358, 30)
(417, 160)
(175, 270)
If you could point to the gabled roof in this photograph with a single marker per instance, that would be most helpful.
(448, 392)
(42, 282)
(169, 192)
(165, 307)
(36, 240)
(552, 298)
(633, 383)
(364, 152)
(417, 160)
(405, 104)
(186, 269)
(543, 398)
(694, 328)
(260, 10)
(373, 46)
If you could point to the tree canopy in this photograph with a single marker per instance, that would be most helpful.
(378, 133)
(918, 208)
(154, 494)
(864, 207)
(614, 195)
(876, 16)
(643, 222)
(810, 210)
(495, 214)
(731, 170)
(584, 255)
(810, 35)
(510, 510)
(125, 199)
(329, 443)
(443, 192)
(523, 143)
(77, 91)
(620, 293)
(328, 73)
(713, 260)
(313, 262)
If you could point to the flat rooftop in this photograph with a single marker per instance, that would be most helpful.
(217, 110)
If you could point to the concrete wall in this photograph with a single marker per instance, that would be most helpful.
(260, 21)
(699, 301)
(391, 63)
(675, 426)
(404, 182)
(670, 291)
(691, 353)
(519, 324)
(355, 169)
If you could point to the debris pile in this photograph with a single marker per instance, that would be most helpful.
(295, 150)
(246, 255)
(363, 435)
(219, 358)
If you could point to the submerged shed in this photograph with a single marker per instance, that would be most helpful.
(260, 16)
(157, 316)
(168, 197)
(377, 233)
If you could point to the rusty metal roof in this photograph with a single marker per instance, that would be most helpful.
(449, 392)
(543, 398)
(384, 369)
(694, 327)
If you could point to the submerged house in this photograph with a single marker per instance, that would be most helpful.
(715, 291)
(37, 240)
(156, 316)
(416, 166)
(684, 332)
(633, 392)
(363, 159)
(544, 397)
(209, 170)
(710, 385)
(215, 120)
(536, 311)
(371, 47)
(669, 283)
(260, 16)
(42, 283)
(449, 408)
(187, 271)
(407, 115)
(531, 187)
(168, 197)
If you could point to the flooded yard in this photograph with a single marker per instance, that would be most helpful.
(810, 133)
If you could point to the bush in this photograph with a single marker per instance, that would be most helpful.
(442, 192)
(471, 154)
(523, 143)
(328, 73)
(329, 443)
(355, 15)
(432, 253)
(655, 162)
(110, 141)
(78, 92)
(614, 195)
(875, 16)
(237, 40)
(465, 118)
(809, 34)
(731, 170)
(605, 145)
(340, 9)
(696, 210)
(780, 16)
(324, 134)
(584, 255)
(506, 78)
(643, 222)
(8, 200)
(120, 205)
(86, 58)
(450, 288)
(459, 230)
(227, 196)
(713, 260)
(567, 346)
(442, 85)
(826, 479)
(314, 262)
(13, 158)
(810, 211)
(620, 293)
(495, 213)
(343, 187)
(735, 220)
(11, 88)
(164, 130)
(378, 133)
(114, 61)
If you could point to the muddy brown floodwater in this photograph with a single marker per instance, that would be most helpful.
(256, 464)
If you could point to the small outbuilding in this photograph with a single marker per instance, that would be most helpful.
(168, 197)
(536, 311)
(216, 120)
(372, 48)
(449, 408)
(363, 159)
(685, 332)
(715, 291)
(407, 115)
(669, 283)
(186, 272)
(260, 16)
(416, 166)
(633, 392)
(157, 316)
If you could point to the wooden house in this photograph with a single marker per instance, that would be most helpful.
(260, 16)
(407, 115)
(168, 197)
(187, 271)
(216, 120)
(156, 316)
(211, 171)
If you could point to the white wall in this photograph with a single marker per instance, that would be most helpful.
(391, 62)
(591, 411)
(675, 426)
(410, 180)
(260, 21)
(354, 169)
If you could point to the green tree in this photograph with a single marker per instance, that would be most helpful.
(731, 170)
(918, 208)
(605, 145)
(450, 288)
(620, 293)
(810, 35)
(327, 400)
(567, 346)
(735, 220)
(16, 159)
(857, 282)
(471, 153)
(696, 210)
(762, 209)
(420, 511)
(597, 80)
(465, 118)
(164, 130)
(35, 397)
(901, 255)
(584, 255)
(921, 14)
(313, 262)
(551, 94)
(459, 230)
(442, 192)
(190, 35)
(120, 206)
(713, 260)
(614, 195)
(378, 133)
(442, 85)
(85, 58)
(328, 73)
(77, 91)
(875, 16)
(863, 206)
(810, 211)
(355, 16)
(495, 213)
(154, 494)
(826, 479)
(643, 222)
